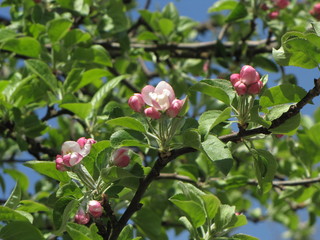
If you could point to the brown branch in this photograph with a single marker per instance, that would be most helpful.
(280, 184)
(135, 205)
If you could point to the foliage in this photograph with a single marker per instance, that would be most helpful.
(196, 162)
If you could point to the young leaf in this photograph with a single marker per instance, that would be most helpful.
(25, 46)
(126, 233)
(14, 198)
(127, 122)
(239, 12)
(48, 169)
(225, 218)
(212, 204)
(82, 110)
(125, 138)
(79, 232)
(58, 28)
(20, 230)
(218, 153)
(32, 206)
(223, 5)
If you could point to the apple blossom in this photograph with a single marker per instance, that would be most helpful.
(136, 102)
(153, 113)
(59, 164)
(247, 82)
(273, 15)
(120, 157)
(315, 11)
(81, 217)
(281, 4)
(95, 208)
(72, 159)
(175, 108)
(159, 97)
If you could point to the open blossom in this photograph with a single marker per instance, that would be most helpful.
(95, 208)
(73, 152)
(160, 99)
(120, 157)
(247, 82)
(81, 217)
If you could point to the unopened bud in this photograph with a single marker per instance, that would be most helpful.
(249, 75)
(81, 217)
(59, 164)
(273, 15)
(120, 157)
(234, 78)
(95, 208)
(255, 88)
(175, 108)
(241, 88)
(153, 113)
(136, 102)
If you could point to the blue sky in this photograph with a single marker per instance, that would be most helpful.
(197, 10)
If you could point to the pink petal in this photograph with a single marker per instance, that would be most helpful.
(248, 75)
(165, 86)
(69, 147)
(145, 92)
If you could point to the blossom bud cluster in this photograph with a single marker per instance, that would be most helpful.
(247, 82)
(94, 209)
(73, 152)
(275, 7)
(160, 99)
(315, 11)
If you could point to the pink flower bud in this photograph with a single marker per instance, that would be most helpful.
(279, 135)
(71, 159)
(81, 217)
(136, 102)
(248, 75)
(234, 78)
(273, 15)
(59, 164)
(255, 88)
(95, 208)
(175, 108)
(120, 157)
(241, 88)
(151, 112)
(281, 4)
(264, 7)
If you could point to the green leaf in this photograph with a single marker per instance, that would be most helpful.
(74, 37)
(239, 12)
(116, 12)
(127, 122)
(82, 110)
(64, 208)
(316, 27)
(20, 230)
(14, 198)
(124, 138)
(48, 169)
(20, 177)
(103, 92)
(166, 26)
(194, 210)
(286, 93)
(223, 5)
(241, 236)
(212, 118)
(212, 204)
(79, 232)
(218, 153)
(265, 167)
(225, 217)
(69, 189)
(94, 54)
(58, 28)
(188, 225)
(8, 214)
(6, 34)
(42, 70)
(32, 206)
(114, 173)
(289, 127)
(126, 233)
(25, 46)
(95, 232)
(191, 138)
(72, 80)
(217, 88)
(265, 63)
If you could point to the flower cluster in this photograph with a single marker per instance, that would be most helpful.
(73, 152)
(160, 99)
(247, 82)
(315, 11)
(94, 209)
(275, 7)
